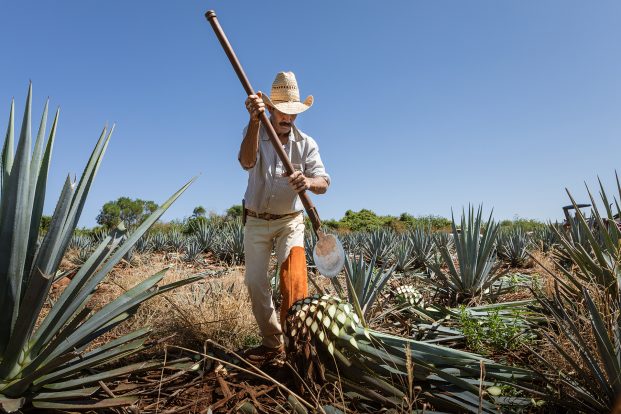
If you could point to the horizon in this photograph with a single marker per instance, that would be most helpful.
(420, 108)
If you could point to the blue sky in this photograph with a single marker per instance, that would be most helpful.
(420, 106)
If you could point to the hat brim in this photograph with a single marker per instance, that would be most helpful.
(290, 108)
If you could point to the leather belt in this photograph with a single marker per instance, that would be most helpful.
(269, 216)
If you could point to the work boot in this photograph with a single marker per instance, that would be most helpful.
(263, 354)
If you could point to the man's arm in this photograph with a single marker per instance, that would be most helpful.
(318, 185)
(250, 143)
(314, 178)
(299, 182)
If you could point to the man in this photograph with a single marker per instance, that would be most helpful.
(274, 213)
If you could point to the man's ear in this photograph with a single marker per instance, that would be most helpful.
(270, 109)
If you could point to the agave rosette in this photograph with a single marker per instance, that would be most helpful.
(43, 360)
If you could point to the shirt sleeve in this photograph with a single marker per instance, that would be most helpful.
(314, 166)
(239, 153)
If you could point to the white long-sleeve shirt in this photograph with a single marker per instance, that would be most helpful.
(268, 189)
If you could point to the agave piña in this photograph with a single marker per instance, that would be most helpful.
(328, 341)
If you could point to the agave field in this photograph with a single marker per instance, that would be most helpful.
(153, 319)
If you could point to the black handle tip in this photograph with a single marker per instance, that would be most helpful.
(210, 14)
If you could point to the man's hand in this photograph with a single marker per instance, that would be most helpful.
(254, 105)
(299, 182)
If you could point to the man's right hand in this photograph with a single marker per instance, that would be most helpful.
(255, 105)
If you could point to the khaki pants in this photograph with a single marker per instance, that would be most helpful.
(259, 236)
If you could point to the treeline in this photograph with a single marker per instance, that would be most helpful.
(367, 220)
(133, 211)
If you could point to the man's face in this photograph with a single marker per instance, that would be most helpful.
(282, 123)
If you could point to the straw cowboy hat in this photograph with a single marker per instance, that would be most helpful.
(285, 95)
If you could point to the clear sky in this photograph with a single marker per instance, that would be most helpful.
(420, 106)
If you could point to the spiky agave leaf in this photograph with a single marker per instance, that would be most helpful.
(30, 353)
(192, 250)
(423, 245)
(594, 375)
(230, 246)
(326, 339)
(595, 253)
(586, 308)
(310, 240)
(365, 282)
(379, 244)
(403, 257)
(546, 238)
(205, 232)
(513, 247)
(477, 267)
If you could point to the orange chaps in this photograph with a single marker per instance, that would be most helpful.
(293, 282)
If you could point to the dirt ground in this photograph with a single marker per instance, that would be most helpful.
(208, 322)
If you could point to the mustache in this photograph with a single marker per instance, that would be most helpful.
(285, 124)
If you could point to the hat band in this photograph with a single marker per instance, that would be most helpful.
(285, 87)
(281, 101)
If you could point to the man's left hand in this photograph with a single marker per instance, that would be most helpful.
(299, 182)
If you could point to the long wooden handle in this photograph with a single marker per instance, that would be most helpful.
(228, 49)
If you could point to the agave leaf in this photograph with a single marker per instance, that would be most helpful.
(25, 321)
(18, 386)
(125, 301)
(379, 281)
(592, 382)
(32, 370)
(7, 148)
(59, 395)
(67, 307)
(607, 351)
(364, 283)
(39, 194)
(364, 390)
(93, 360)
(79, 197)
(351, 291)
(86, 405)
(132, 336)
(45, 253)
(112, 355)
(477, 264)
(455, 402)
(14, 225)
(54, 320)
(56, 351)
(35, 217)
(180, 364)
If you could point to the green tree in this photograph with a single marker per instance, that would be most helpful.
(234, 211)
(523, 224)
(199, 211)
(431, 221)
(44, 225)
(363, 220)
(131, 212)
